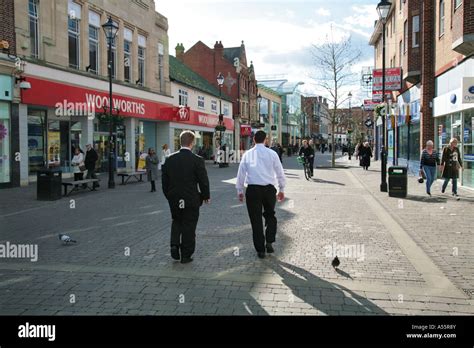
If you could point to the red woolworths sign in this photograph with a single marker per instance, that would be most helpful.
(58, 95)
(185, 115)
(393, 79)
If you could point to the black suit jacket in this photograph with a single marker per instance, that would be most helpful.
(181, 174)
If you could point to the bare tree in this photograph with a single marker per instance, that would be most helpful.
(333, 61)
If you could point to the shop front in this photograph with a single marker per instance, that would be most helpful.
(454, 118)
(208, 140)
(6, 160)
(61, 118)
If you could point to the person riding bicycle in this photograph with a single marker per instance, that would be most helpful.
(307, 152)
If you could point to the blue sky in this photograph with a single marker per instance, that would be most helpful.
(278, 34)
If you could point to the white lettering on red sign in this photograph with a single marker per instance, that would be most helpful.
(122, 105)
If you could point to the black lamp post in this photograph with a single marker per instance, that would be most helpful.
(383, 8)
(350, 108)
(220, 82)
(110, 29)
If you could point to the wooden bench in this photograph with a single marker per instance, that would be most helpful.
(78, 184)
(138, 176)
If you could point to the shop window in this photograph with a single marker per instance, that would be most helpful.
(33, 18)
(74, 29)
(4, 143)
(183, 97)
(201, 102)
(36, 140)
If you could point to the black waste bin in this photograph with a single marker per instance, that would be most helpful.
(397, 181)
(48, 184)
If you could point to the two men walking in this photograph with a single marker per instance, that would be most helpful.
(186, 186)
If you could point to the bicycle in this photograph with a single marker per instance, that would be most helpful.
(306, 169)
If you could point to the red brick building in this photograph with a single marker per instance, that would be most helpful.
(240, 83)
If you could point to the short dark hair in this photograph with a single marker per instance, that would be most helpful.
(260, 136)
(186, 138)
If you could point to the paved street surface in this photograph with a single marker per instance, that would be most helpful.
(410, 256)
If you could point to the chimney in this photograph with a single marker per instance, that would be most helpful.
(180, 52)
(219, 49)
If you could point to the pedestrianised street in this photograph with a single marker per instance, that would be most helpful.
(392, 260)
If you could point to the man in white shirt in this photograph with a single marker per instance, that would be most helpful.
(261, 169)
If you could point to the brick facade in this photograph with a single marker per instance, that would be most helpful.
(7, 24)
(240, 86)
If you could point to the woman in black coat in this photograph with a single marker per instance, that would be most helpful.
(365, 152)
(450, 164)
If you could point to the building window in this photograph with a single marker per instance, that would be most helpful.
(201, 102)
(226, 109)
(214, 106)
(127, 54)
(161, 77)
(441, 18)
(416, 31)
(405, 36)
(457, 3)
(74, 30)
(400, 53)
(141, 60)
(183, 97)
(34, 30)
(94, 30)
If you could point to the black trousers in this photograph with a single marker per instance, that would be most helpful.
(153, 187)
(257, 198)
(311, 164)
(78, 176)
(183, 229)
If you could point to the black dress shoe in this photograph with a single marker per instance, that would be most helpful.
(270, 249)
(186, 260)
(261, 255)
(175, 253)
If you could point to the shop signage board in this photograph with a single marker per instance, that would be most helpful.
(468, 90)
(369, 104)
(393, 79)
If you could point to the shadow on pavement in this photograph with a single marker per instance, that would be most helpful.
(301, 282)
(426, 199)
(344, 274)
(321, 181)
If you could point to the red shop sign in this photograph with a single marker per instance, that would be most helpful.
(245, 130)
(72, 98)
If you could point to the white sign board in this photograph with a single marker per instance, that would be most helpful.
(468, 90)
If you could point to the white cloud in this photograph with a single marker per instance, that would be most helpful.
(364, 16)
(323, 12)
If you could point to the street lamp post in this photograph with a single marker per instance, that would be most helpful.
(220, 82)
(383, 8)
(350, 106)
(110, 29)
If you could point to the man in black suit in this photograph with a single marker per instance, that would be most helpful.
(182, 172)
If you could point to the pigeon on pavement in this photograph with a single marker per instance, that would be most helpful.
(66, 239)
(335, 262)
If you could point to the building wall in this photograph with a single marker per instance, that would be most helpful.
(193, 95)
(138, 16)
(446, 58)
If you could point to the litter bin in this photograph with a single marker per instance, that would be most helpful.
(48, 183)
(397, 181)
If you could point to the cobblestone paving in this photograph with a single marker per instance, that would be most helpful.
(98, 276)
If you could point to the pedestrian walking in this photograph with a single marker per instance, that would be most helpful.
(182, 173)
(365, 153)
(89, 162)
(152, 168)
(77, 163)
(165, 152)
(428, 162)
(280, 152)
(261, 169)
(308, 153)
(451, 164)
